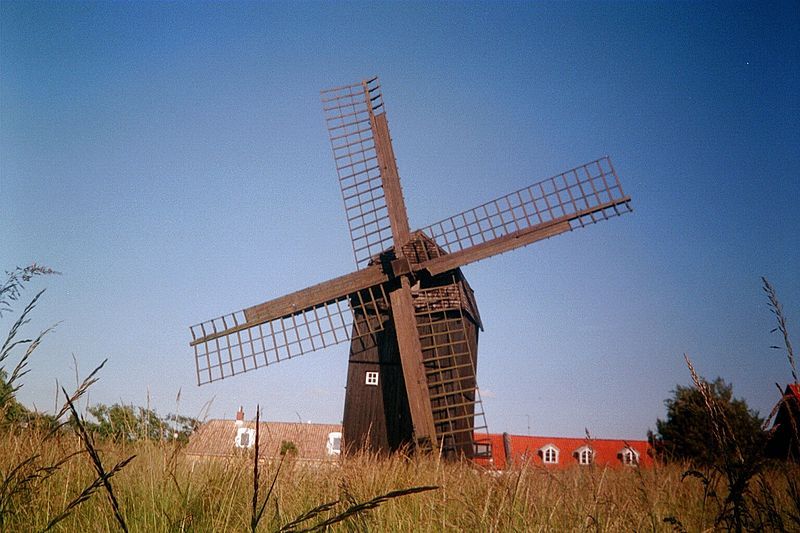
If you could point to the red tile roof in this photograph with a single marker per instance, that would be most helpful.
(794, 389)
(607, 452)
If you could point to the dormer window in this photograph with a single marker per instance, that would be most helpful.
(245, 437)
(628, 456)
(549, 454)
(584, 455)
(334, 444)
(372, 378)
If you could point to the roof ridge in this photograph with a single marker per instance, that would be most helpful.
(584, 438)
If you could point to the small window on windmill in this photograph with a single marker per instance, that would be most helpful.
(372, 378)
(245, 438)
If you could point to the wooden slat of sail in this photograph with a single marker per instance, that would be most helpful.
(305, 321)
(348, 111)
(581, 196)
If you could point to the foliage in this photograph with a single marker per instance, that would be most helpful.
(51, 480)
(777, 309)
(11, 409)
(103, 478)
(35, 458)
(180, 426)
(288, 448)
(31, 471)
(129, 423)
(733, 464)
(687, 431)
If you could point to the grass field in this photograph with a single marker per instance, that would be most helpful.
(162, 490)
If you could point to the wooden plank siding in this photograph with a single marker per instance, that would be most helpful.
(378, 418)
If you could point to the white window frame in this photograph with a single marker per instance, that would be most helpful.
(251, 437)
(585, 455)
(331, 446)
(371, 378)
(549, 454)
(629, 457)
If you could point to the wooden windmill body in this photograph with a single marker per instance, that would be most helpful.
(377, 415)
(408, 312)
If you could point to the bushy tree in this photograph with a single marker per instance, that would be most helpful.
(130, 423)
(11, 409)
(687, 431)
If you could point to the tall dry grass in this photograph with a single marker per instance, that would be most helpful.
(163, 490)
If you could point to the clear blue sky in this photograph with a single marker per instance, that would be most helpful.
(172, 161)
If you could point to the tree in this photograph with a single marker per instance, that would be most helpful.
(130, 423)
(687, 432)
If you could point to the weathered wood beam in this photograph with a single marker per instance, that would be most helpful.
(402, 305)
(304, 299)
(395, 205)
(408, 343)
(327, 291)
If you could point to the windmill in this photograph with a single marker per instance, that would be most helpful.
(407, 310)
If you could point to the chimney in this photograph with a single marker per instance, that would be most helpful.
(240, 417)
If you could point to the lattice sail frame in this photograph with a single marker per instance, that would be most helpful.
(256, 346)
(584, 188)
(347, 115)
(450, 369)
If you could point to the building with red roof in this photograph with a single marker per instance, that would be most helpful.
(563, 452)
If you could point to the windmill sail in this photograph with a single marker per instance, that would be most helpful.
(581, 196)
(347, 115)
(252, 338)
(376, 214)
